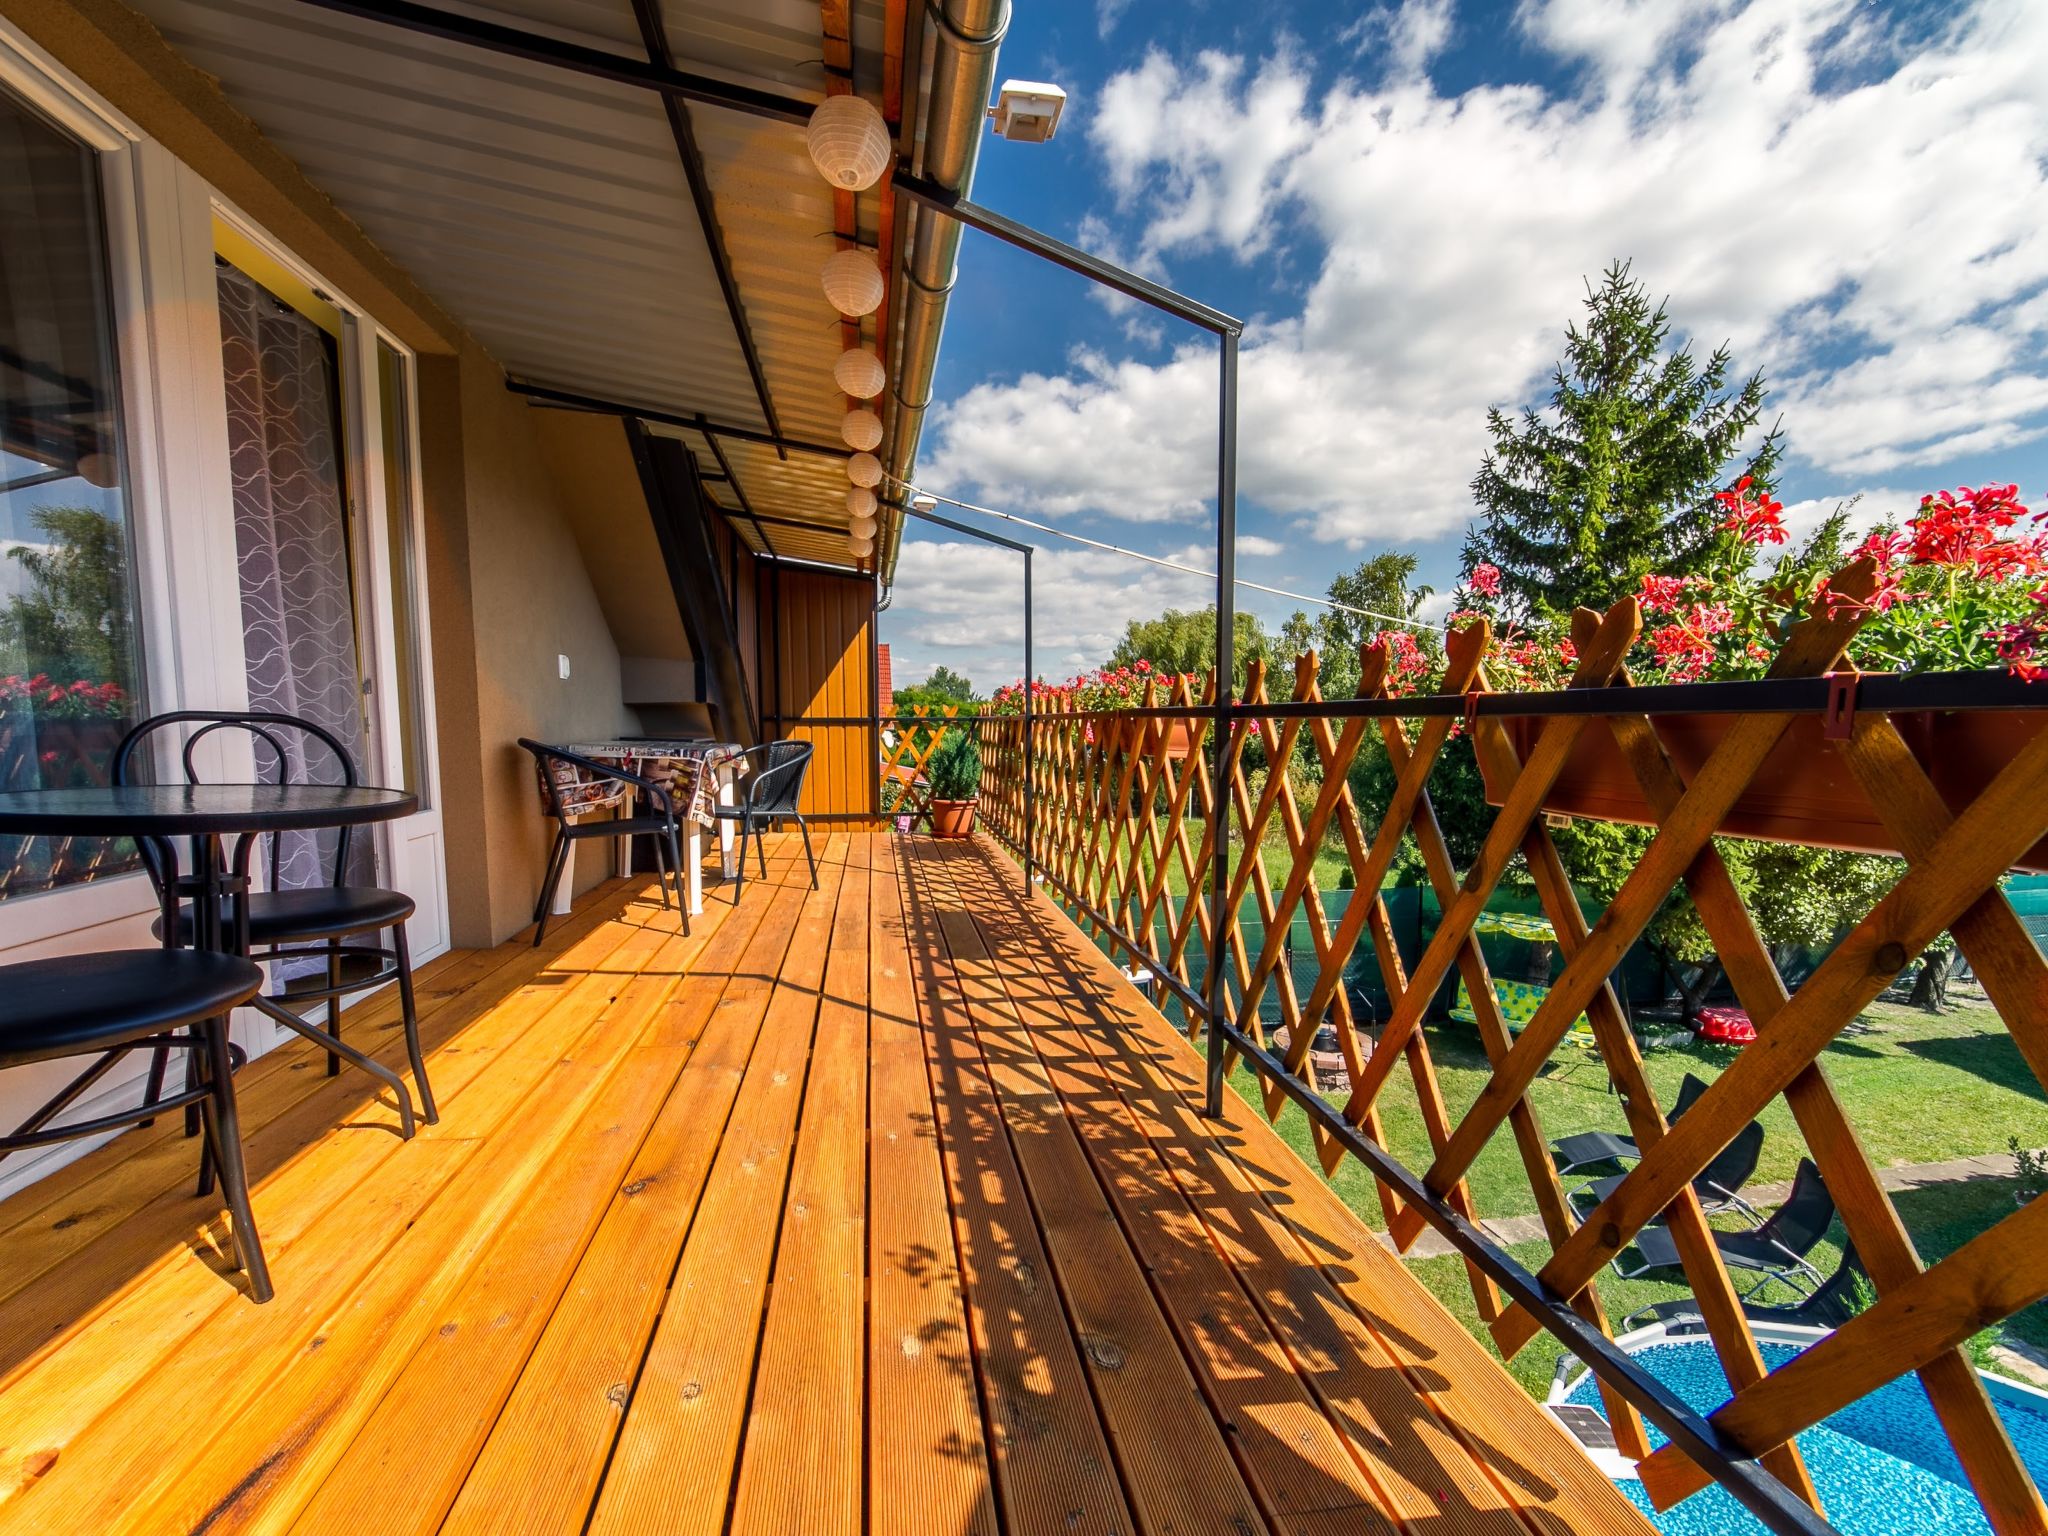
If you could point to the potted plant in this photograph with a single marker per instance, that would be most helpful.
(953, 773)
(1959, 588)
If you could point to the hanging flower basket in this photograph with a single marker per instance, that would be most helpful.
(1804, 792)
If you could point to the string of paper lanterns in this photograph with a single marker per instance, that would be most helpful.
(852, 148)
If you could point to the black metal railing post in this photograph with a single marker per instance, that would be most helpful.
(1216, 991)
(1030, 809)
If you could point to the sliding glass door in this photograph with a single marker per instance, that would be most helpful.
(321, 435)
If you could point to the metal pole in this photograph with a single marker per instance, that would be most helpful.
(1030, 782)
(1226, 659)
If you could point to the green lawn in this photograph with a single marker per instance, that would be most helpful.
(1918, 1089)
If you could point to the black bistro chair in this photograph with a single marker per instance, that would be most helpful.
(308, 923)
(132, 999)
(573, 785)
(773, 787)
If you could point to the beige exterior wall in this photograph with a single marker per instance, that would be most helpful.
(507, 588)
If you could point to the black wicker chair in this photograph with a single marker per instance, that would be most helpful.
(772, 790)
(133, 999)
(312, 923)
(562, 773)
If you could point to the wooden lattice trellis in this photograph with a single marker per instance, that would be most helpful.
(904, 760)
(1120, 815)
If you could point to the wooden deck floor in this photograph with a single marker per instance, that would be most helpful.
(877, 1208)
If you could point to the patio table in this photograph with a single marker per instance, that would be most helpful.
(202, 814)
(712, 767)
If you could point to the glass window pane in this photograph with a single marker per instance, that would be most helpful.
(395, 402)
(70, 673)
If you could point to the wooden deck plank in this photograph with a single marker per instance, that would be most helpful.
(1298, 1462)
(1185, 1480)
(403, 1466)
(885, 1207)
(928, 1469)
(801, 1466)
(133, 1187)
(1470, 1400)
(1055, 1475)
(1419, 1470)
(148, 1470)
(93, 1362)
(672, 1467)
(566, 1408)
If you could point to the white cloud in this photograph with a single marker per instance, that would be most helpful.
(1863, 217)
(1867, 507)
(1254, 544)
(1205, 148)
(1406, 39)
(963, 604)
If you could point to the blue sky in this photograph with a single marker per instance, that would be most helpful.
(1404, 200)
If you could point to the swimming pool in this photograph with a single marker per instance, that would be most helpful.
(1883, 1465)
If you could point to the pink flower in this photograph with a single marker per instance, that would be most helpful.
(1662, 594)
(1753, 518)
(1486, 579)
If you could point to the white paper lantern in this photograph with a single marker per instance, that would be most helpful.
(853, 282)
(861, 429)
(859, 372)
(864, 469)
(860, 501)
(863, 527)
(849, 142)
(860, 547)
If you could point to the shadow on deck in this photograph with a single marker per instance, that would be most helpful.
(882, 1207)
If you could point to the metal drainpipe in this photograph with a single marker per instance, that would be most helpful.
(965, 35)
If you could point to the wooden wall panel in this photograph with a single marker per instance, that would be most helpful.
(820, 657)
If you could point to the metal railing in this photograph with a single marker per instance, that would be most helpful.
(1126, 808)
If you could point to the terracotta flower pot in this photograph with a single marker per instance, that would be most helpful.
(953, 818)
(1804, 792)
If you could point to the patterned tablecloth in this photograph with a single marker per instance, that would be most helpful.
(689, 767)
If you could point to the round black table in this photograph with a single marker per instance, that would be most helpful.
(204, 813)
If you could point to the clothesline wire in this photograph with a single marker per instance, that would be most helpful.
(1164, 564)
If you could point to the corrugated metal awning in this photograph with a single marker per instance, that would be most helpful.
(549, 213)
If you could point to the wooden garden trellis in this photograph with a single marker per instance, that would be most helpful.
(904, 762)
(1122, 821)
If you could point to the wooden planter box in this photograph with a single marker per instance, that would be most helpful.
(1804, 792)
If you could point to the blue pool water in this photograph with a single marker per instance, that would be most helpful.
(1883, 1465)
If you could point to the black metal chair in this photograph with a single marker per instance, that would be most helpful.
(1571, 1153)
(1775, 1251)
(1719, 1185)
(774, 786)
(309, 923)
(1829, 1307)
(132, 999)
(562, 775)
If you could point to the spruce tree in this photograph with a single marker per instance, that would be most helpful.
(1616, 479)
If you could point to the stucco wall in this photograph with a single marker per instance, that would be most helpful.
(531, 602)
